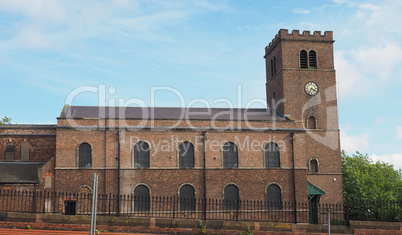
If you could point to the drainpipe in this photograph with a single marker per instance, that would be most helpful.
(294, 177)
(118, 173)
(204, 134)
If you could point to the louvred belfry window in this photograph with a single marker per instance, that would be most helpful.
(303, 59)
(312, 59)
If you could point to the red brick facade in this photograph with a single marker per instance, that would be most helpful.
(58, 145)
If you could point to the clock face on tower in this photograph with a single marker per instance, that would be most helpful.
(311, 88)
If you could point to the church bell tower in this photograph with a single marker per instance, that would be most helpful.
(300, 76)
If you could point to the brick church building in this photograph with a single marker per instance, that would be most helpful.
(287, 152)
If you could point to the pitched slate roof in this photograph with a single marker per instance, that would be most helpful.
(19, 172)
(251, 114)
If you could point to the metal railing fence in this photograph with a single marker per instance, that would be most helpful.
(185, 208)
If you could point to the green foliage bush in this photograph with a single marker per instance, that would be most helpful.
(364, 179)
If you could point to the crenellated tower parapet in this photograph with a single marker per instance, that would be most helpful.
(284, 34)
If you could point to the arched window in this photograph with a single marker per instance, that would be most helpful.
(25, 151)
(312, 59)
(272, 158)
(231, 198)
(274, 197)
(230, 158)
(85, 155)
(186, 155)
(311, 123)
(303, 59)
(10, 151)
(313, 166)
(187, 198)
(141, 198)
(141, 154)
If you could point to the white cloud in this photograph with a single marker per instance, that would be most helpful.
(301, 11)
(399, 132)
(348, 75)
(369, 6)
(341, 1)
(211, 6)
(378, 22)
(394, 159)
(380, 120)
(379, 60)
(360, 70)
(377, 55)
(59, 24)
(33, 38)
(353, 143)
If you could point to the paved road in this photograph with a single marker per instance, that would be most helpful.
(53, 232)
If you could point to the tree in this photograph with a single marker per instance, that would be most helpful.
(5, 121)
(372, 191)
(366, 180)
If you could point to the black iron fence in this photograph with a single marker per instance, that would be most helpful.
(210, 209)
(370, 210)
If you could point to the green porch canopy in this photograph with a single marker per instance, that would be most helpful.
(313, 191)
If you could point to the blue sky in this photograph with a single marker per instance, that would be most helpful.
(204, 49)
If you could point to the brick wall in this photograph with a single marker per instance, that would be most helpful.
(42, 148)
(41, 140)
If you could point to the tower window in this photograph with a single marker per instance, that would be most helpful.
(141, 154)
(85, 155)
(313, 166)
(186, 155)
(274, 198)
(273, 66)
(312, 59)
(230, 157)
(311, 123)
(231, 197)
(303, 59)
(308, 61)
